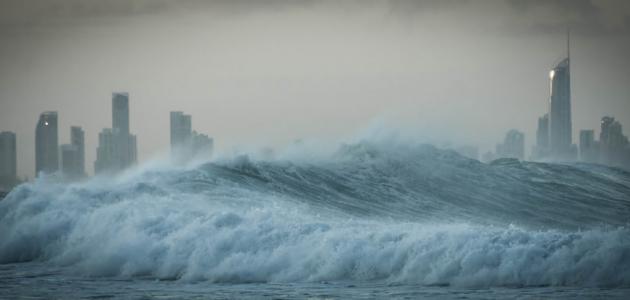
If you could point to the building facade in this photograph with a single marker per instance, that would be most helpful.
(77, 138)
(202, 145)
(104, 151)
(614, 146)
(513, 146)
(588, 146)
(8, 159)
(46, 144)
(73, 155)
(181, 130)
(541, 149)
(117, 149)
(560, 130)
(69, 160)
(120, 112)
(187, 144)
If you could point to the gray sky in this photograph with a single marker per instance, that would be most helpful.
(269, 72)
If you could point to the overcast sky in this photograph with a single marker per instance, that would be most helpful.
(270, 72)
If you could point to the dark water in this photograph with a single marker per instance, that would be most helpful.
(372, 220)
(38, 281)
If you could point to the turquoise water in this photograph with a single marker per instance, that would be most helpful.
(367, 221)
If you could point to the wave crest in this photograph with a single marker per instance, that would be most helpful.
(337, 220)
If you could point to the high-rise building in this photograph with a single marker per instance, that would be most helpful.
(541, 149)
(117, 148)
(181, 130)
(46, 144)
(104, 151)
(132, 150)
(186, 143)
(69, 160)
(73, 155)
(588, 146)
(77, 138)
(513, 146)
(120, 112)
(8, 159)
(124, 142)
(560, 131)
(202, 145)
(613, 144)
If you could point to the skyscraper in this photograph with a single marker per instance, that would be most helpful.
(186, 143)
(613, 143)
(124, 142)
(73, 155)
(541, 149)
(513, 146)
(202, 145)
(104, 151)
(181, 129)
(8, 159)
(117, 148)
(46, 143)
(560, 140)
(77, 138)
(588, 146)
(69, 160)
(120, 112)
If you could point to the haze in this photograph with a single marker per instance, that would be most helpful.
(270, 72)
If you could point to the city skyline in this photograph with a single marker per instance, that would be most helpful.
(117, 146)
(315, 149)
(70, 158)
(282, 79)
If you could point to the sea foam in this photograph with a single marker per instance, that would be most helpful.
(250, 221)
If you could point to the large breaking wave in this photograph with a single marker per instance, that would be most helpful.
(399, 214)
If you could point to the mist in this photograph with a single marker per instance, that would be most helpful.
(267, 73)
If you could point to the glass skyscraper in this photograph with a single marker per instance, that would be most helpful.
(560, 130)
(181, 129)
(117, 148)
(46, 143)
(8, 158)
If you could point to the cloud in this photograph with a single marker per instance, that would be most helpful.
(583, 16)
(593, 17)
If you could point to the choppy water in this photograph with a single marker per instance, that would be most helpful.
(369, 221)
(40, 281)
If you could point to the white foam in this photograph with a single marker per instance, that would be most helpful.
(136, 227)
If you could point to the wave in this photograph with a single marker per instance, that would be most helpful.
(403, 214)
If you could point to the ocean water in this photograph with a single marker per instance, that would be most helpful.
(371, 220)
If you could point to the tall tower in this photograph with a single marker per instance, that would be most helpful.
(117, 149)
(73, 155)
(46, 143)
(77, 138)
(588, 146)
(560, 131)
(541, 149)
(513, 145)
(124, 142)
(8, 157)
(181, 129)
(104, 151)
(120, 112)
